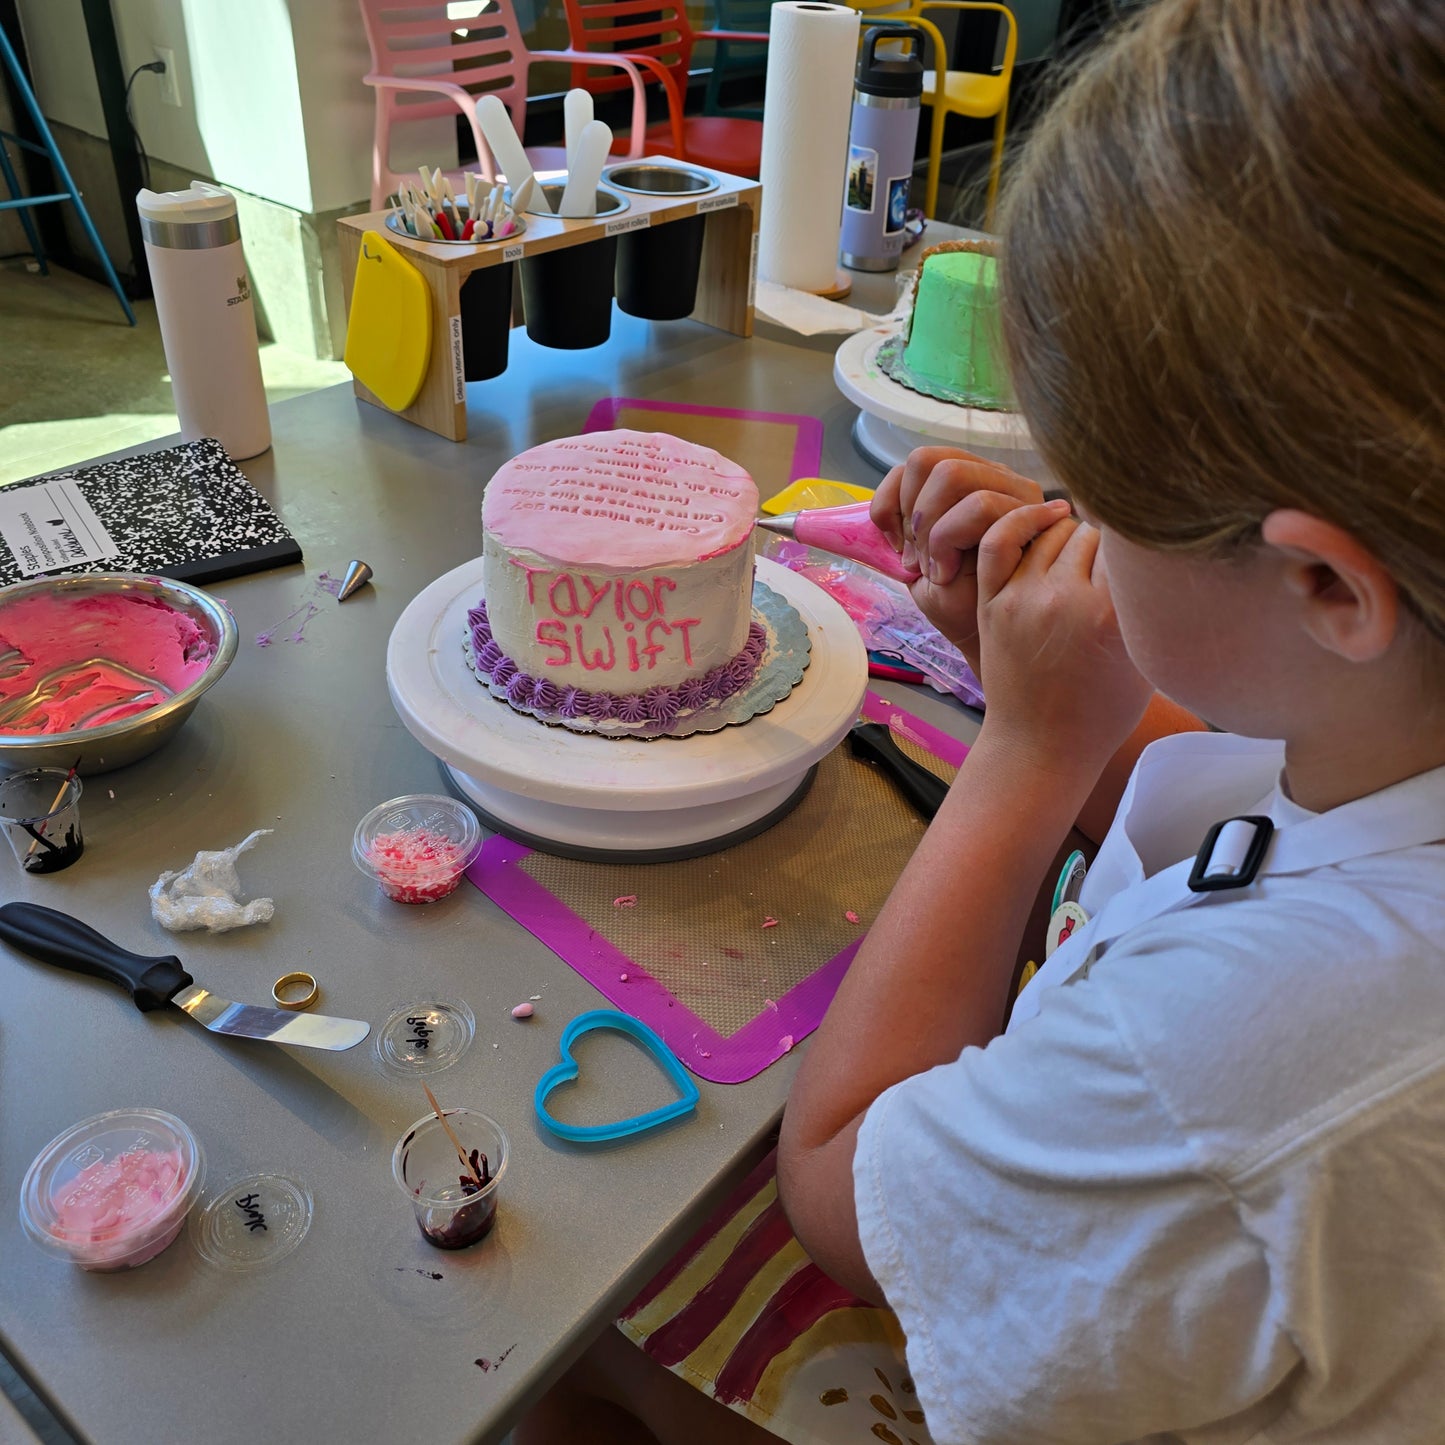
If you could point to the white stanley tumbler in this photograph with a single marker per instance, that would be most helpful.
(208, 324)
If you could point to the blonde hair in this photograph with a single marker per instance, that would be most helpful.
(1224, 277)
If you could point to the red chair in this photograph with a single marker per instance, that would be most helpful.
(424, 65)
(656, 36)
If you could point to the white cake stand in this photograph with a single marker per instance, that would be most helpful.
(893, 420)
(588, 796)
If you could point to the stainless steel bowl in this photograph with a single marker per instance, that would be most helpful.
(609, 202)
(116, 744)
(649, 178)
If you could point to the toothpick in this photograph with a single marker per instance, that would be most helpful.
(456, 1143)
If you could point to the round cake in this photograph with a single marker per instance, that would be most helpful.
(617, 576)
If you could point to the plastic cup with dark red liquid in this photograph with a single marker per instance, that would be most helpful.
(455, 1205)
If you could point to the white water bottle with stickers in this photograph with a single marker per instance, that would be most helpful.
(208, 322)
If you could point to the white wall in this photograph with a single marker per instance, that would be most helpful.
(336, 107)
(271, 91)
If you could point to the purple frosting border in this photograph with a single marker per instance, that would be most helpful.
(656, 705)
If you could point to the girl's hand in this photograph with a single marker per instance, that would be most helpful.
(935, 509)
(1060, 683)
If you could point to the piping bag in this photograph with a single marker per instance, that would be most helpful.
(845, 532)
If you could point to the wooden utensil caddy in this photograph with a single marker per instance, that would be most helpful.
(724, 293)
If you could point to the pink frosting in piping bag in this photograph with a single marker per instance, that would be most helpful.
(68, 663)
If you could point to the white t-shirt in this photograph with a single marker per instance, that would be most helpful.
(1200, 1195)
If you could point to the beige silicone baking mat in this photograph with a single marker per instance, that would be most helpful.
(732, 957)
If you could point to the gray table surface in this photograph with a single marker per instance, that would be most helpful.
(351, 1338)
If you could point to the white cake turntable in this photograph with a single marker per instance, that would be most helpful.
(892, 420)
(599, 797)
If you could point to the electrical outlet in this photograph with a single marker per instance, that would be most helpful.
(170, 81)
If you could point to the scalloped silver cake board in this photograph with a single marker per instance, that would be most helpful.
(589, 796)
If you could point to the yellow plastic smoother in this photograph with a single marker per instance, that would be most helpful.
(388, 338)
(809, 492)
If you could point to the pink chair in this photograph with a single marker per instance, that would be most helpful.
(422, 68)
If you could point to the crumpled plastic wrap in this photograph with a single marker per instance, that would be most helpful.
(887, 618)
(205, 894)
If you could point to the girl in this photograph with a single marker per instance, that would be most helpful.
(1196, 1191)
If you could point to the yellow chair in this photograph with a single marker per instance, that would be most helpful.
(955, 92)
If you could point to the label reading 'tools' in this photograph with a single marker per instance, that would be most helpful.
(513, 253)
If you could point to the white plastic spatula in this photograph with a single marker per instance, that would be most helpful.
(506, 146)
(584, 171)
(522, 195)
(576, 112)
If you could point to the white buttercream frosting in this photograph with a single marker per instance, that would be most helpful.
(619, 561)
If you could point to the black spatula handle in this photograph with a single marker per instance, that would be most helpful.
(55, 937)
(925, 790)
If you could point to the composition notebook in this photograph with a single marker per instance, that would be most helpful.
(186, 512)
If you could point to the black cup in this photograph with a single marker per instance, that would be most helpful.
(567, 294)
(658, 269)
(486, 310)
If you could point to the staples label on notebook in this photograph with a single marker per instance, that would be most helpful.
(50, 525)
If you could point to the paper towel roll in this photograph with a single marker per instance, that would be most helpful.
(811, 58)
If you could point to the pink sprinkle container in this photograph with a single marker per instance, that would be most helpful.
(113, 1191)
(417, 847)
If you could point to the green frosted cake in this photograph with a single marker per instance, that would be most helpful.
(953, 350)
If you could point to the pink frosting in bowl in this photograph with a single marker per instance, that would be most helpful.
(106, 664)
(113, 1191)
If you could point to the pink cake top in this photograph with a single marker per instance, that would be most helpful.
(621, 498)
(70, 662)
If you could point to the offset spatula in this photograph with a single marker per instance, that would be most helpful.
(57, 938)
(874, 743)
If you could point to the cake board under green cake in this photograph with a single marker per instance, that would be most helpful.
(952, 349)
(893, 419)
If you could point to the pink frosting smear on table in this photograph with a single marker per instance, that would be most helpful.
(116, 1202)
(71, 663)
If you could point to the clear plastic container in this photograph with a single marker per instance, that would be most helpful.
(452, 1209)
(417, 847)
(113, 1191)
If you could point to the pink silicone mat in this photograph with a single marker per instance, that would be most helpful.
(773, 447)
(688, 947)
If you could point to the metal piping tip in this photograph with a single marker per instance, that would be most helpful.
(784, 524)
(358, 574)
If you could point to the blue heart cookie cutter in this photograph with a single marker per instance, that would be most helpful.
(566, 1072)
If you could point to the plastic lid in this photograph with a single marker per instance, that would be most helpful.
(251, 1220)
(199, 202)
(892, 73)
(114, 1190)
(417, 846)
(425, 1037)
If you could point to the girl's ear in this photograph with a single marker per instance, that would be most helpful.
(1349, 603)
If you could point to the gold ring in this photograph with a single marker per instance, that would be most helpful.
(288, 980)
